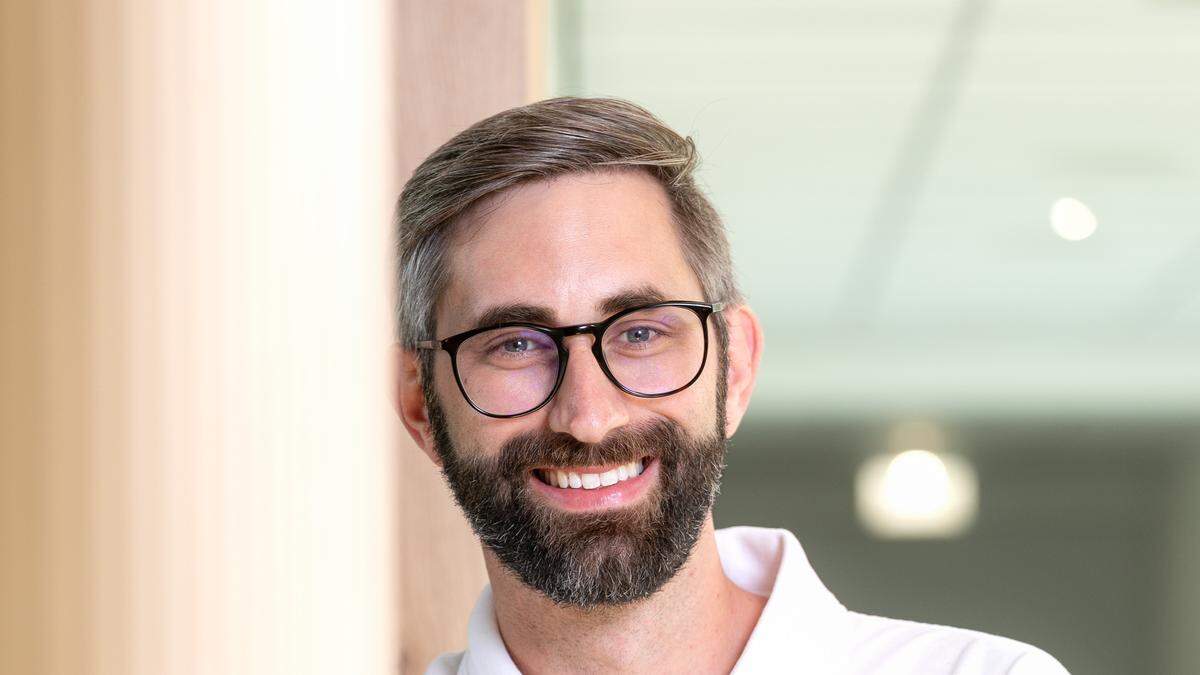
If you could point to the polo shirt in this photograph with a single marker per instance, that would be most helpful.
(802, 629)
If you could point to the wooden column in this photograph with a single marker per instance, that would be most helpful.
(458, 63)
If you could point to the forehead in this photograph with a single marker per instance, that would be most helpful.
(566, 245)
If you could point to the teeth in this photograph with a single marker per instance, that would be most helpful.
(591, 481)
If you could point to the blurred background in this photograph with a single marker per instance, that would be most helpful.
(889, 174)
(971, 230)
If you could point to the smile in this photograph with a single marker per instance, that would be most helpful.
(587, 488)
(582, 479)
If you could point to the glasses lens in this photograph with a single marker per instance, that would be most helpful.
(508, 371)
(656, 350)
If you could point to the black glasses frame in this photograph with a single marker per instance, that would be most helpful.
(451, 344)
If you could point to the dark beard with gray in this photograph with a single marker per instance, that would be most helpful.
(596, 559)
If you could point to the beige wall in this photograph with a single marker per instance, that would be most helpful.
(198, 468)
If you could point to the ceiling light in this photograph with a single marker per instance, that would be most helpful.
(1072, 219)
(916, 494)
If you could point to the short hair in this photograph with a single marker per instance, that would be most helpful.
(541, 141)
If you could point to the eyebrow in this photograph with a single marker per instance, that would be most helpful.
(513, 312)
(643, 295)
(539, 314)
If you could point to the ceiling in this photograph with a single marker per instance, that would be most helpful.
(886, 171)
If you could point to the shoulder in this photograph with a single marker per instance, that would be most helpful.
(893, 646)
(446, 664)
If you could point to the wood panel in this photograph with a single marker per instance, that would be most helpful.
(458, 62)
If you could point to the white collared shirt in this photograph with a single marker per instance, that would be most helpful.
(802, 628)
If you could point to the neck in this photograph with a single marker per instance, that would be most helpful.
(698, 617)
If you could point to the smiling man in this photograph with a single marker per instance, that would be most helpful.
(575, 355)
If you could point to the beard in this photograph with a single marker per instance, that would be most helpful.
(593, 559)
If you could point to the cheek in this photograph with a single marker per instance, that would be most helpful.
(693, 407)
(470, 432)
(445, 386)
(457, 412)
(704, 399)
(705, 388)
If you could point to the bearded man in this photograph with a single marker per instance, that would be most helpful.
(574, 355)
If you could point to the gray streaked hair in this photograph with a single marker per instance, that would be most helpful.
(537, 142)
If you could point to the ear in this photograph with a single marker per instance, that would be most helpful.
(745, 352)
(410, 399)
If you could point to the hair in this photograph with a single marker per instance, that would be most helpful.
(541, 141)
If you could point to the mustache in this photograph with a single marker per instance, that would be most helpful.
(551, 448)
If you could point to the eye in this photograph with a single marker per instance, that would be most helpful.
(638, 334)
(518, 345)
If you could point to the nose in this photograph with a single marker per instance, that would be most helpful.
(587, 405)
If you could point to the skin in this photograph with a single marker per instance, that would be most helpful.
(566, 244)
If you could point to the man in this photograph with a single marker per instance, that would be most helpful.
(575, 356)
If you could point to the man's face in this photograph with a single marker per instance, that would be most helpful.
(569, 248)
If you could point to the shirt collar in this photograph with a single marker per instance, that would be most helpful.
(802, 624)
(486, 653)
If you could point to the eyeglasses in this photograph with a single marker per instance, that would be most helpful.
(515, 368)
